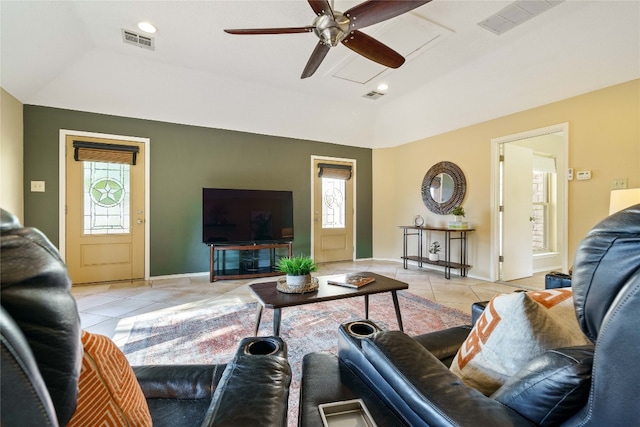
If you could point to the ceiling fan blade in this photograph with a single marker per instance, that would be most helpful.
(321, 7)
(315, 60)
(252, 31)
(373, 11)
(372, 49)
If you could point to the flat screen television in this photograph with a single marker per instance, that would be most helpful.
(246, 216)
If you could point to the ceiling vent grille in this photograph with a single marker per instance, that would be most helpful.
(373, 95)
(515, 14)
(135, 39)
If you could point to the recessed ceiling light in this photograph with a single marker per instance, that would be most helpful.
(383, 86)
(147, 27)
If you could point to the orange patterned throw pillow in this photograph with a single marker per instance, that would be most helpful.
(513, 329)
(109, 394)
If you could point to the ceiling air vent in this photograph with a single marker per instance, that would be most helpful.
(515, 14)
(130, 37)
(373, 95)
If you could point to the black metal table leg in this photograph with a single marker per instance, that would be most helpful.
(396, 305)
(277, 316)
(366, 306)
(420, 248)
(258, 317)
(405, 261)
(447, 254)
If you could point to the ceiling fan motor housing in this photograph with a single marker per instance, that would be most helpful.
(331, 30)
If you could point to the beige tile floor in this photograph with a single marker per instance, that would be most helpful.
(108, 308)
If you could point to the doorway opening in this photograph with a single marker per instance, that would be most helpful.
(530, 203)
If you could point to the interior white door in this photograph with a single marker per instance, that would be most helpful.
(517, 228)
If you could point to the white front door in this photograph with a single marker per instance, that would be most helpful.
(333, 215)
(517, 231)
(104, 222)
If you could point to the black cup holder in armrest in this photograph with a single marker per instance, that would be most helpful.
(352, 334)
(361, 329)
(263, 346)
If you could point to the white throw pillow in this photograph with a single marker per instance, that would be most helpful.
(513, 329)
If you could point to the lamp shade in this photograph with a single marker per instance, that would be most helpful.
(621, 199)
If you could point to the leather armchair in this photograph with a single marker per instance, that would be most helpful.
(41, 354)
(411, 373)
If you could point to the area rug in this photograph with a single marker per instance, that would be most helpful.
(209, 331)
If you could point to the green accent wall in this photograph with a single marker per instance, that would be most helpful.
(183, 160)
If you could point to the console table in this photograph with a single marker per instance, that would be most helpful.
(218, 266)
(450, 234)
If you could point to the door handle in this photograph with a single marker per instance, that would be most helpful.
(139, 221)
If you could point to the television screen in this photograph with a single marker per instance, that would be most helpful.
(246, 216)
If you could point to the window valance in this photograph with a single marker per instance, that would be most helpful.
(101, 152)
(329, 170)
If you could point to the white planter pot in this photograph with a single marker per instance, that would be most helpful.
(298, 281)
(434, 257)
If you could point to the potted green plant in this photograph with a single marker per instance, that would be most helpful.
(458, 212)
(433, 251)
(298, 270)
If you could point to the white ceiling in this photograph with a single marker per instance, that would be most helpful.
(70, 54)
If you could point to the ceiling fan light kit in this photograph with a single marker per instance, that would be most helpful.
(333, 27)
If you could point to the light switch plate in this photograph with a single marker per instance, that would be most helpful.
(37, 186)
(619, 184)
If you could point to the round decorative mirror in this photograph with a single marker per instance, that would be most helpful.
(443, 187)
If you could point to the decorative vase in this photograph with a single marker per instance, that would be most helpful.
(458, 218)
(298, 281)
(434, 257)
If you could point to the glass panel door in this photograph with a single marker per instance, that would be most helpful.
(107, 189)
(333, 203)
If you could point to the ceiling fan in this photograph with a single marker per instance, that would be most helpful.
(334, 27)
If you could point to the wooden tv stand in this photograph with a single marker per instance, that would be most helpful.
(220, 271)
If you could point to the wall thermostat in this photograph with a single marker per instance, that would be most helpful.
(582, 175)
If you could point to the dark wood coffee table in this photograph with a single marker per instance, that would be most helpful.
(269, 297)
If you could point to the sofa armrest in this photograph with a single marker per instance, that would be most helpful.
(178, 381)
(477, 308)
(429, 388)
(253, 391)
(444, 344)
(556, 279)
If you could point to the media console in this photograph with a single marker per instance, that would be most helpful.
(248, 260)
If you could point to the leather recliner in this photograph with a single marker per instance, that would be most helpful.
(41, 354)
(411, 374)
